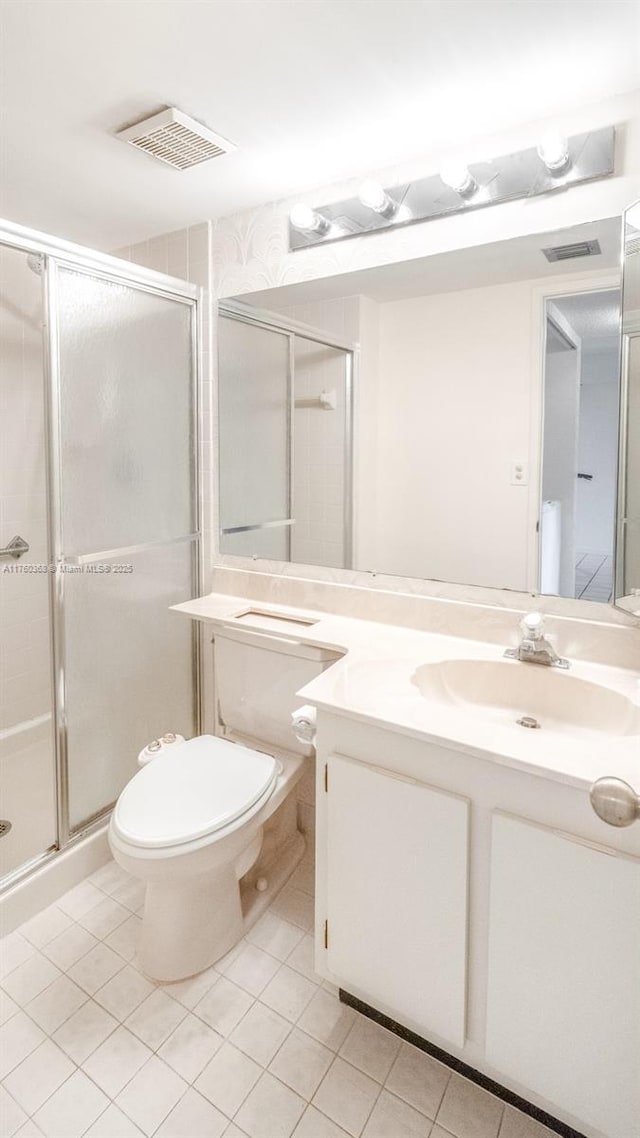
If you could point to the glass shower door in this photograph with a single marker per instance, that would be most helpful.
(123, 403)
(255, 405)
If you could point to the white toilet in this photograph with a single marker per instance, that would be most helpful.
(191, 823)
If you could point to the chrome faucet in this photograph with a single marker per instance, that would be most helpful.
(535, 648)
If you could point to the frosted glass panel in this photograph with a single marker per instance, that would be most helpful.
(126, 415)
(320, 499)
(27, 770)
(254, 409)
(128, 668)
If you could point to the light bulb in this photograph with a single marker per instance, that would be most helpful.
(308, 220)
(459, 178)
(553, 151)
(374, 196)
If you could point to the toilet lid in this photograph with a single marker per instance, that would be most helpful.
(195, 789)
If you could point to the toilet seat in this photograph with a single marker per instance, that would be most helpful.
(198, 788)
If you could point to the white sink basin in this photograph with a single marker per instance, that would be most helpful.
(506, 691)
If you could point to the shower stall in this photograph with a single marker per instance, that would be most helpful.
(99, 534)
(285, 403)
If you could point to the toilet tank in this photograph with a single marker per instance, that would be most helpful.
(256, 678)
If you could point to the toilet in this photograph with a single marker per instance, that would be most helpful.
(191, 823)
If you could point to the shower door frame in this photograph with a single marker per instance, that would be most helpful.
(54, 253)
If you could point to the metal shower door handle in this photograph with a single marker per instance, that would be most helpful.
(615, 801)
(16, 547)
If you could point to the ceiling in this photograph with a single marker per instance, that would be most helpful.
(480, 266)
(311, 91)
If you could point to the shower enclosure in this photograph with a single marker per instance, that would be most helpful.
(98, 477)
(285, 394)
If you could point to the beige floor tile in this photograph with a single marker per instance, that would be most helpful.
(515, 1124)
(124, 992)
(327, 1020)
(223, 1006)
(151, 1095)
(72, 1108)
(116, 1061)
(289, 993)
(371, 1048)
(418, 1079)
(347, 1096)
(29, 979)
(228, 1078)
(252, 969)
(38, 1076)
(84, 1031)
(53, 1006)
(271, 1110)
(12, 1116)
(70, 946)
(94, 969)
(275, 936)
(393, 1118)
(314, 1124)
(193, 1117)
(190, 1047)
(19, 1036)
(302, 1063)
(155, 1019)
(302, 959)
(113, 1124)
(468, 1111)
(260, 1033)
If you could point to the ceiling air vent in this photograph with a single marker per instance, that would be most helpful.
(568, 252)
(176, 139)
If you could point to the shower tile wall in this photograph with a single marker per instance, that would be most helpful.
(26, 754)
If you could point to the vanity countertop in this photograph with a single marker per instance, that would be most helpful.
(373, 682)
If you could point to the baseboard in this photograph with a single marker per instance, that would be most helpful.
(461, 1068)
(54, 877)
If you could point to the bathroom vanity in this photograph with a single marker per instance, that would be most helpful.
(466, 889)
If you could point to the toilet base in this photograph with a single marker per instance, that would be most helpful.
(189, 924)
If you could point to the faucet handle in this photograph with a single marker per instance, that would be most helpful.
(533, 625)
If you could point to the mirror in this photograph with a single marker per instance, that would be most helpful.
(628, 560)
(453, 417)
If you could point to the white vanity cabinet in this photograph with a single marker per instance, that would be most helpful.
(396, 892)
(489, 910)
(563, 995)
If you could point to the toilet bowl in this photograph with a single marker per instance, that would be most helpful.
(190, 825)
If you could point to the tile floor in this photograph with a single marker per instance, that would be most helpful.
(257, 1046)
(594, 576)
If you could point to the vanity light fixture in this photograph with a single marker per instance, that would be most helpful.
(459, 178)
(553, 151)
(374, 196)
(308, 220)
(557, 163)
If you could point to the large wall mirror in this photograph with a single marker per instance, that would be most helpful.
(452, 418)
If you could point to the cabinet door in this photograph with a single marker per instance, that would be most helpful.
(397, 895)
(563, 1009)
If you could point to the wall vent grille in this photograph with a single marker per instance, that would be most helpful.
(569, 252)
(176, 139)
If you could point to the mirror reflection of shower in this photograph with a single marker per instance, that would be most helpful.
(579, 461)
